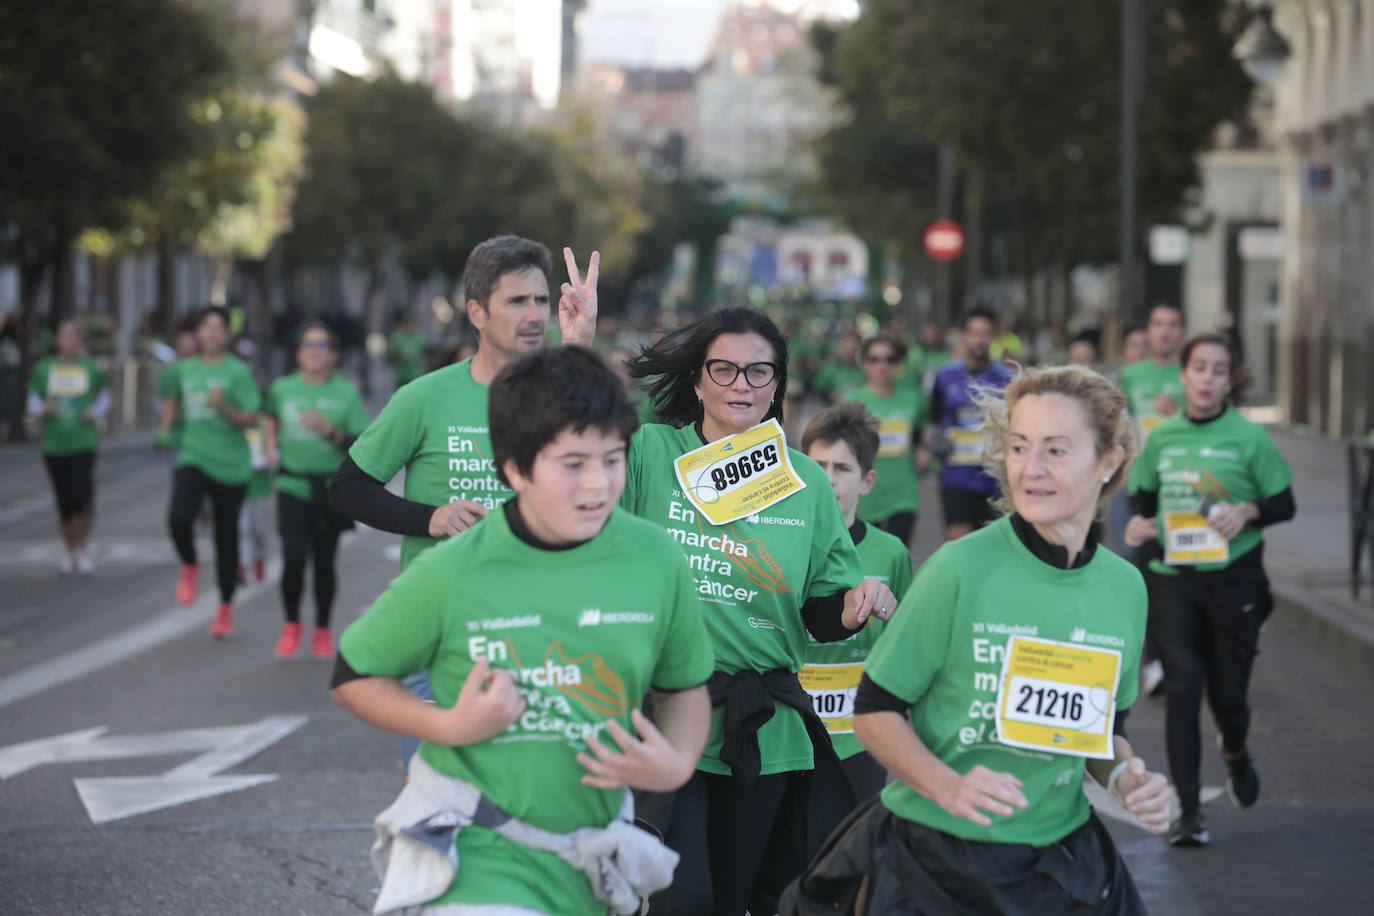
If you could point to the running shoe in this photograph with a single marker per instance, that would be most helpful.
(1152, 679)
(1242, 778)
(84, 564)
(186, 583)
(321, 643)
(67, 565)
(259, 570)
(223, 624)
(1190, 831)
(289, 643)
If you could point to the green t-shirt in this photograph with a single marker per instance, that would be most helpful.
(1227, 459)
(1142, 382)
(898, 488)
(833, 378)
(301, 449)
(586, 634)
(435, 428)
(260, 477)
(943, 652)
(209, 440)
(72, 387)
(168, 387)
(753, 575)
(885, 558)
(407, 349)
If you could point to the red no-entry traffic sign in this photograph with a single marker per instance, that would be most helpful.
(944, 240)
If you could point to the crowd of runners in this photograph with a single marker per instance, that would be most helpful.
(643, 651)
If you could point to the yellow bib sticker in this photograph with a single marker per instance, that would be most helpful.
(832, 689)
(739, 475)
(1188, 539)
(68, 381)
(1058, 697)
(894, 438)
(257, 449)
(967, 446)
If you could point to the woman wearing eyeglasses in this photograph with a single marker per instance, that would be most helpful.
(895, 500)
(766, 578)
(313, 416)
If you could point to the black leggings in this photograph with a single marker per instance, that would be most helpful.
(1207, 627)
(838, 792)
(302, 537)
(735, 853)
(190, 486)
(900, 525)
(73, 483)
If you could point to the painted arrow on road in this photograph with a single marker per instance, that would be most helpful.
(112, 798)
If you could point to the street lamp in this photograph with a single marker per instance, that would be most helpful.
(1262, 51)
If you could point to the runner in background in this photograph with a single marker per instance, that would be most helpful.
(1206, 484)
(840, 371)
(68, 395)
(216, 394)
(926, 360)
(844, 441)
(545, 627)
(955, 429)
(185, 347)
(894, 501)
(312, 417)
(1135, 346)
(436, 427)
(254, 517)
(998, 655)
(406, 349)
(774, 564)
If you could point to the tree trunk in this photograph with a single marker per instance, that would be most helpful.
(166, 287)
(30, 279)
(63, 287)
(371, 314)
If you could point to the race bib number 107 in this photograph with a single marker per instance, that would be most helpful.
(739, 475)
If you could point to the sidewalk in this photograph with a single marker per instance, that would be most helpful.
(1308, 558)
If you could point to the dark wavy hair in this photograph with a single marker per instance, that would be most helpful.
(673, 365)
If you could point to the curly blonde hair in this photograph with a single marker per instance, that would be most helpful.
(1104, 407)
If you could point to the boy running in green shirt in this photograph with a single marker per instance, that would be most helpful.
(536, 730)
(844, 441)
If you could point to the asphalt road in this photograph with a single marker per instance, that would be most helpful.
(114, 652)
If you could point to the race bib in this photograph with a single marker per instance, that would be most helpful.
(1188, 539)
(68, 381)
(832, 689)
(1058, 697)
(257, 450)
(739, 475)
(894, 438)
(966, 445)
(1147, 424)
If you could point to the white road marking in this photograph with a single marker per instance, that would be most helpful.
(23, 508)
(148, 551)
(114, 798)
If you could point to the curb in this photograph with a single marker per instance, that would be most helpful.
(1337, 629)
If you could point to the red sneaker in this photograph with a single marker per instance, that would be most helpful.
(259, 570)
(224, 621)
(321, 643)
(186, 583)
(289, 643)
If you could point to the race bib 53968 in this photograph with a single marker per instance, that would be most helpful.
(739, 475)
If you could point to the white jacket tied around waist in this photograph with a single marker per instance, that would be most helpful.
(416, 856)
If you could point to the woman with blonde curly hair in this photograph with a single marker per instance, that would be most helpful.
(1015, 653)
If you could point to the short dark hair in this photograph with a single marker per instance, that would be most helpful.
(674, 363)
(316, 324)
(210, 310)
(537, 397)
(1174, 306)
(1132, 329)
(983, 312)
(897, 346)
(498, 256)
(848, 422)
(1240, 375)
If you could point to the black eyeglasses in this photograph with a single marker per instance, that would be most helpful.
(757, 375)
(894, 359)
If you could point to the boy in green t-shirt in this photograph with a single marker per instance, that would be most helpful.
(844, 440)
(537, 702)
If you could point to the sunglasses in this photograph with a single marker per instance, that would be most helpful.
(882, 359)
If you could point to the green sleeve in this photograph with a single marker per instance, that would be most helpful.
(685, 659)
(167, 384)
(1272, 474)
(38, 381)
(901, 576)
(634, 468)
(400, 633)
(273, 405)
(1144, 473)
(246, 394)
(356, 420)
(835, 563)
(915, 642)
(1128, 687)
(392, 439)
(98, 380)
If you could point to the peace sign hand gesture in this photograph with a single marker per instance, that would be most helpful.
(577, 306)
